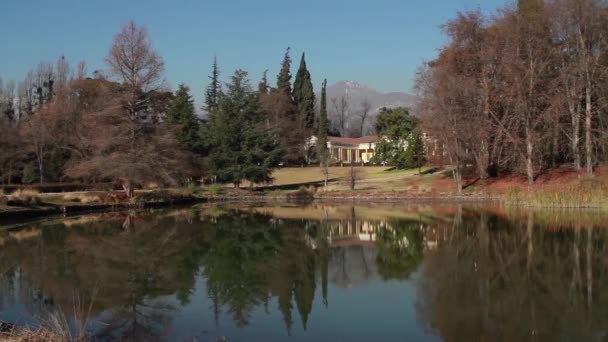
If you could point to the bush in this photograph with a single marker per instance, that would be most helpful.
(193, 188)
(160, 196)
(214, 188)
(29, 173)
(303, 194)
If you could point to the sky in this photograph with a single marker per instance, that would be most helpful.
(379, 43)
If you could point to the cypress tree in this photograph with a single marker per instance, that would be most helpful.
(284, 76)
(181, 112)
(263, 86)
(214, 89)
(322, 124)
(304, 96)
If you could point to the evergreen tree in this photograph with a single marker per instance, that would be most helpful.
(181, 112)
(264, 86)
(284, 76)
(415, 150)
(322, 123)
(304, 96)
(401, 139)
(240, 149)
(29, 173)
(214, 89)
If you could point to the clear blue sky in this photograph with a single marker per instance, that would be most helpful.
(376, 42)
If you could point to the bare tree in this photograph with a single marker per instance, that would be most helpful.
(119, 148)
(133, 60)
(36, 132)
(81, 70)
(340, 107)
(363, 114)
(354, 175)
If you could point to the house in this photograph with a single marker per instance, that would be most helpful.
(349, 150)
(352, 150)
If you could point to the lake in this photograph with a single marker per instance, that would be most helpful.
(265, 272)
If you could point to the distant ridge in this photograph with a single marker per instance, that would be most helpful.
(356, 93)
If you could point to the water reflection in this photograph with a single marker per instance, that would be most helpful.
(475, 274)
(516, 280)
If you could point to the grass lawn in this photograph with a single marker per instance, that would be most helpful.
(299, 175)
(370, 177)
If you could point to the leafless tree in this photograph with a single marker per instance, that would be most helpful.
(133, 61)
(364, 112)
(36, 133)
(354, 175)
(520, 90)
(129, 151)
(81, 71)
(340, 107)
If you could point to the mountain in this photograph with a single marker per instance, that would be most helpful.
(356, 93)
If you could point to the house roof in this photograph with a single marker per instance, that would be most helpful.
(353, 141)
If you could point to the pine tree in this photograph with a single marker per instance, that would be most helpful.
(240, 150)
(304, 96)
(214, 89)
(284, 76)
(181, 112)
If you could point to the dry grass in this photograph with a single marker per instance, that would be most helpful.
(81, 197)
(301, 175)
(24, 192)
(21, 198)
(29, 335)
(56, 327)
(372, 178)
(583, 195)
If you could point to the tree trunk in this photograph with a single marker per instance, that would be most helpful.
(576, 128)
(458, 179)
(128, 189)
(529, 155)
(588, 142)
(483, 160)
(41, 168)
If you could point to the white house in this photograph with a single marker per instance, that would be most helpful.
(349, 150)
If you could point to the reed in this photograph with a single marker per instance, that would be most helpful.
(588, 193)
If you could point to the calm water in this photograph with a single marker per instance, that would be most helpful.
(323, 273)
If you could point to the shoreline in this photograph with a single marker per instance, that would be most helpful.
(57, 210)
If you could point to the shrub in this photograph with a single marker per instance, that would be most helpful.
(214, 188)
(81, 197)
(29, 173)
(193, 188)
(303, 194)
(160, 196)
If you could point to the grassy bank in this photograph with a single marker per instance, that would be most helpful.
(560, 188)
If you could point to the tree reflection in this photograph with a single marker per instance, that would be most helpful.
(140, 267)
(493, 279)
(400, 249)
